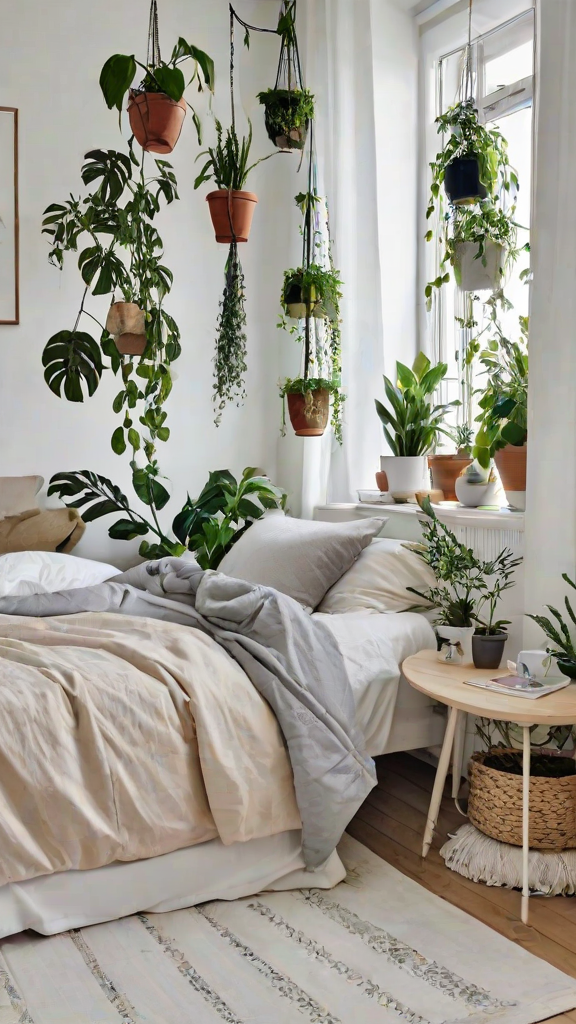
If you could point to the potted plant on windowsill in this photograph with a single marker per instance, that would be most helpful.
(156, 108)
(503, 419)
(288, 107)
(412, 425)
(466, 585)
(231, 208)
(445, 469)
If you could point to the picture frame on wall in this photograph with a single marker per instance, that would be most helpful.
(9, 225)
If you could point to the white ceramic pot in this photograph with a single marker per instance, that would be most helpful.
(517, 500)
(476, 486)
(406, 475)
(471, 274)
(458, 647)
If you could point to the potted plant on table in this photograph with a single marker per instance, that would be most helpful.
(412, 425)
(231, 208)
(288, 107)
(445, 469)
(466, 586)
(156, 108)
(503, 418)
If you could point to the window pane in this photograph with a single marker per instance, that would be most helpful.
(508, 68)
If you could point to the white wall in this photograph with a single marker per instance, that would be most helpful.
(50, 60)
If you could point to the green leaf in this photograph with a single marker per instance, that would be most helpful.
(118, 441)
(116, 78)
(127, 529)
(70, 358)
(171, 81)
(134, 438)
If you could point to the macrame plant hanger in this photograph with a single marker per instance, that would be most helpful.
(468, 73)
(307, 237)
(153, 58)
(289, 73)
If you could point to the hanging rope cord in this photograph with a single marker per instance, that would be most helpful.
(468, 77)
(153, 58)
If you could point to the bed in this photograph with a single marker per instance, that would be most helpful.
(393, 717)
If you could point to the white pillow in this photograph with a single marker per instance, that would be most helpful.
(378, 580)
(45, 572)
(298, 557)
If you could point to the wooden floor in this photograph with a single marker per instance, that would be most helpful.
(391, 824)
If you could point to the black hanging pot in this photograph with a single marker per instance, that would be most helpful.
(462, 181)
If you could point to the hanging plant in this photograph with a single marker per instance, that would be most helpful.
(288, 107)
(311, 294)
(230, 356)
(121, 252)
(156, 108)
(231, 208)
(478, 232)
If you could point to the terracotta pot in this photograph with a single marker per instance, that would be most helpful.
(445, 470)
(130, 344)
(156, 120)
(231, 214)
(511, 464)
(381, 481)
(309, 412)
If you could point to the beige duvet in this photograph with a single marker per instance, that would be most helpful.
(123, 738)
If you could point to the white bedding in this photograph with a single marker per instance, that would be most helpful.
(374, 647)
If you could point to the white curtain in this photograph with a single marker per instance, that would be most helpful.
(550, 537)
(361, 64)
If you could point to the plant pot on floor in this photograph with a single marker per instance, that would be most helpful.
(406, 475)
(462, 181)
(495, 803)
(487, 651)
(455, 644)
(472, 274)
(511, 464)
(309, 412)
(127, 322)
(445, 469)
(156, 120)
(231, 212)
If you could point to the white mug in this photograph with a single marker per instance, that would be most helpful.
(537, 664)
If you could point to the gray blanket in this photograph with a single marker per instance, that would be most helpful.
(292, 660)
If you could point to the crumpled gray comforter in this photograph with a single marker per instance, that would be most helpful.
(292, 660)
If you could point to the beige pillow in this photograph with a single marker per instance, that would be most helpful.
(299, 557)
(378, 580)
(18, 494)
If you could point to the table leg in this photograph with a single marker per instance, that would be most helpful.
(458, 756)
(441, 773)
(525, 820)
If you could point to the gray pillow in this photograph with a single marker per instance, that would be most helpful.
(299, 557)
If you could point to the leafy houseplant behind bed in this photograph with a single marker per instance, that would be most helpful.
(412, 425)
(157, 108)
(207, 526)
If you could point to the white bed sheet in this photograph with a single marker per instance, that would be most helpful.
(374, 647)
(208, 871)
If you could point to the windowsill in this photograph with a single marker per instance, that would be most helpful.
(501, 519)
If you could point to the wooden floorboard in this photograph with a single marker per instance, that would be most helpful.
(391, 824)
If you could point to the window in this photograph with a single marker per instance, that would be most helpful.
(503, 71)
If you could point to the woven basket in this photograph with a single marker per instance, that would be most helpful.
(495, 806)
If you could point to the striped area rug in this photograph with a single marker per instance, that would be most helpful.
(377, 948)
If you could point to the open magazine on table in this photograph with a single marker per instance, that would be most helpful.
(521, 686)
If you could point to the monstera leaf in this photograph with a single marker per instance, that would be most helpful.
(70, 358)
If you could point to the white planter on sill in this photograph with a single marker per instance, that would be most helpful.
(406, 475)
(471, 274)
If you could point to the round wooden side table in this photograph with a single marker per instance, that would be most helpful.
(446, 683)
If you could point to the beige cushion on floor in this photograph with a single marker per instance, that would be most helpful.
(298, 557)
(378, 580)
(18, 494)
